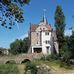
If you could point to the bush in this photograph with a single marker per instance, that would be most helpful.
(65, 65)
(43, 58)
(50, 57)
(8, 69)
(11, 62)
(32, 67)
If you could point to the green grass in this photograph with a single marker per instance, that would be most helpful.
(20, 68)
(55, 67)
(8, 69)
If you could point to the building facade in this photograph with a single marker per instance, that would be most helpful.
(4, 51)
(42, 38)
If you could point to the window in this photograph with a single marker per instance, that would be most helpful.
(47, 42)
(46, 33)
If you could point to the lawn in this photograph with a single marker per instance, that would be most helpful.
(8, 69)
(19, 68)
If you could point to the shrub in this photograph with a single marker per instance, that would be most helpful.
(43, 58)
(32, 67)
(54, 56)
(11, 62)
(50, 57)
(65, 65)
(8, 69)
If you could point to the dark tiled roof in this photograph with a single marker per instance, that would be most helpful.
(3, 49)
(34, 27)
(49, 27)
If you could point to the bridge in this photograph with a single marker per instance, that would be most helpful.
(20, 58)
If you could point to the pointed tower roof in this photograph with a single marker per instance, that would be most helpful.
(44, 17)
(44, 20)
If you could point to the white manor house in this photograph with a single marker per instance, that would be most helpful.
(42, 38)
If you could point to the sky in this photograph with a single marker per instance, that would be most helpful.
(33, 13)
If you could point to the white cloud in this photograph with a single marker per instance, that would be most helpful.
(20, 37)
(23, 36)
(68, 32)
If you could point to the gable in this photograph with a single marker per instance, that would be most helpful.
(43, 27)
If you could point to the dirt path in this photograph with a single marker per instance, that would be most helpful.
(58, 70)
(21, 68)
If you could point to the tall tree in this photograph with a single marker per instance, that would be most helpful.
(60, 25)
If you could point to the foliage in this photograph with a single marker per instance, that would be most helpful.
(12, 10)
(10, 62)
(43, 58)
(19, 46)
(65, 53)
(68, 49)
(60, 25)
(71, 45)
(32, 67)
(50, 57)
(8, 69)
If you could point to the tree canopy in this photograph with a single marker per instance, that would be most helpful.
(19, 46)
(11, 11)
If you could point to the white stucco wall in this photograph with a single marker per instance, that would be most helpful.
(44, 45)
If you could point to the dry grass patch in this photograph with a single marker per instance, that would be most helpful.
(21, 68)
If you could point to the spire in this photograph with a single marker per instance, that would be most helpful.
(44, 17)
(44, 20)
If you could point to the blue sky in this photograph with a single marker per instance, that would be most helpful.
(33, 13)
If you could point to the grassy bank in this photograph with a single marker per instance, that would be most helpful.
(20, 68)
(55, 68)
(8, 69)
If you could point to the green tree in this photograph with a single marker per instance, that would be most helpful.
(11, 9)
(68, 49)
(60, 25)
(19, 46)
(71, 45)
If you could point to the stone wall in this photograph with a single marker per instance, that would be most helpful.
(35, 38)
